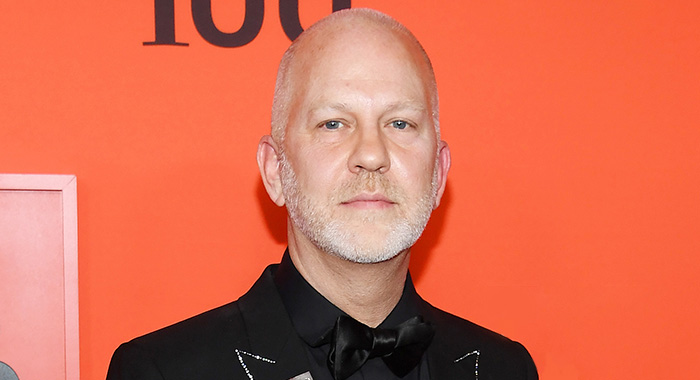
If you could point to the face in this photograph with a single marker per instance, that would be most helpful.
(360, 166)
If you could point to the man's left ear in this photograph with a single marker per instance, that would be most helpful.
(444, 162)
(269, 165)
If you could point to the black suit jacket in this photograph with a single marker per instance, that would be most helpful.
(253, 339)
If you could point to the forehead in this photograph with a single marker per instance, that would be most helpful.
(364, 60)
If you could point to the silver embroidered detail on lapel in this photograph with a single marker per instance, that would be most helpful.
(257, 357)
(476, 363)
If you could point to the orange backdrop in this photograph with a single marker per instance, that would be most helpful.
(572, 215)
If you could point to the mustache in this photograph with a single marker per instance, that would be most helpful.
(367, 182)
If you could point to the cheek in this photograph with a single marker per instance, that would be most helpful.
(317, 171)
(415, 167)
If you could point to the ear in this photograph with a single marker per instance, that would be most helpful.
(269, 165)
(444, 162)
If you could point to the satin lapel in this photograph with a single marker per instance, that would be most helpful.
(274, 350)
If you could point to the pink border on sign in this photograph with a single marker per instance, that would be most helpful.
(66, 184)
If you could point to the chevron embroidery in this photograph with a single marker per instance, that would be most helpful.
(241, 353)
(476, 363)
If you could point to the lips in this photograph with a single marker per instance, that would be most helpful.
(369, 201)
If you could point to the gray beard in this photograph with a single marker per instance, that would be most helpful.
(334, 236)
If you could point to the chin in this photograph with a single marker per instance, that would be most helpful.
(366, 252)
(363, 246)
(366, 257)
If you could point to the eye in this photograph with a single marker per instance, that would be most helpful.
(332, 124)
(399, 124)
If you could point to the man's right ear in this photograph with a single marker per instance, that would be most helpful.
(269, 165)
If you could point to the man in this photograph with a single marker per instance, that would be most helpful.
(356, 158)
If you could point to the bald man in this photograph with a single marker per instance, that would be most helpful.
(356, 158)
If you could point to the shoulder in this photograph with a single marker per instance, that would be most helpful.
(223, 323)
(186, 348)
(200, 347)
(495, 354)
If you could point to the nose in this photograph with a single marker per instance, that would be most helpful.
(369, 152)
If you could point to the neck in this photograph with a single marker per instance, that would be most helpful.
(366, 292)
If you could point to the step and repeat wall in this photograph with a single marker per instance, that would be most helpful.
(571, 220)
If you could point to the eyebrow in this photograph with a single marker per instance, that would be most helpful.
(339, 106)
(396, 106)
(410, 105)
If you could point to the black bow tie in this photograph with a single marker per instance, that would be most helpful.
(401, 348)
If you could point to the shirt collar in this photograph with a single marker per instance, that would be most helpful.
(313, 315)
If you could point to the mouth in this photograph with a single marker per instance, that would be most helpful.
(369, 202)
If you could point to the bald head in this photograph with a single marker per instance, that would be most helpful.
(350, 34)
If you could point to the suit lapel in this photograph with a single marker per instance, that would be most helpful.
(446, 363)
(273, 351)
(450, 356)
